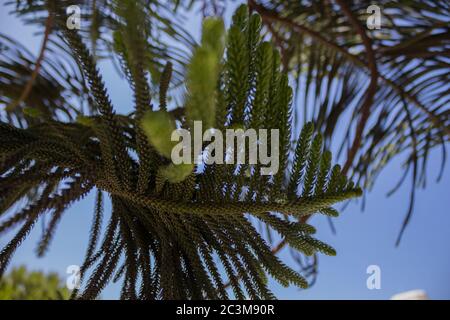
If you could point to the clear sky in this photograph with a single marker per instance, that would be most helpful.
(422, 261)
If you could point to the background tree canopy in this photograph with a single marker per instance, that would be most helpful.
(21, 284)
(171, 225)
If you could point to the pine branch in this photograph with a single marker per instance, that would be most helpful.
(168, 221)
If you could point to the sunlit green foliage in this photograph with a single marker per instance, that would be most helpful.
(21, 284)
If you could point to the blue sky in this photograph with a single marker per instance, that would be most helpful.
(422, 261)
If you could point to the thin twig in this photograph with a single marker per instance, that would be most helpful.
(371, 89)
(37, 66)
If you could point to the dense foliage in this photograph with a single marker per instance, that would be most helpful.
(21, 284)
